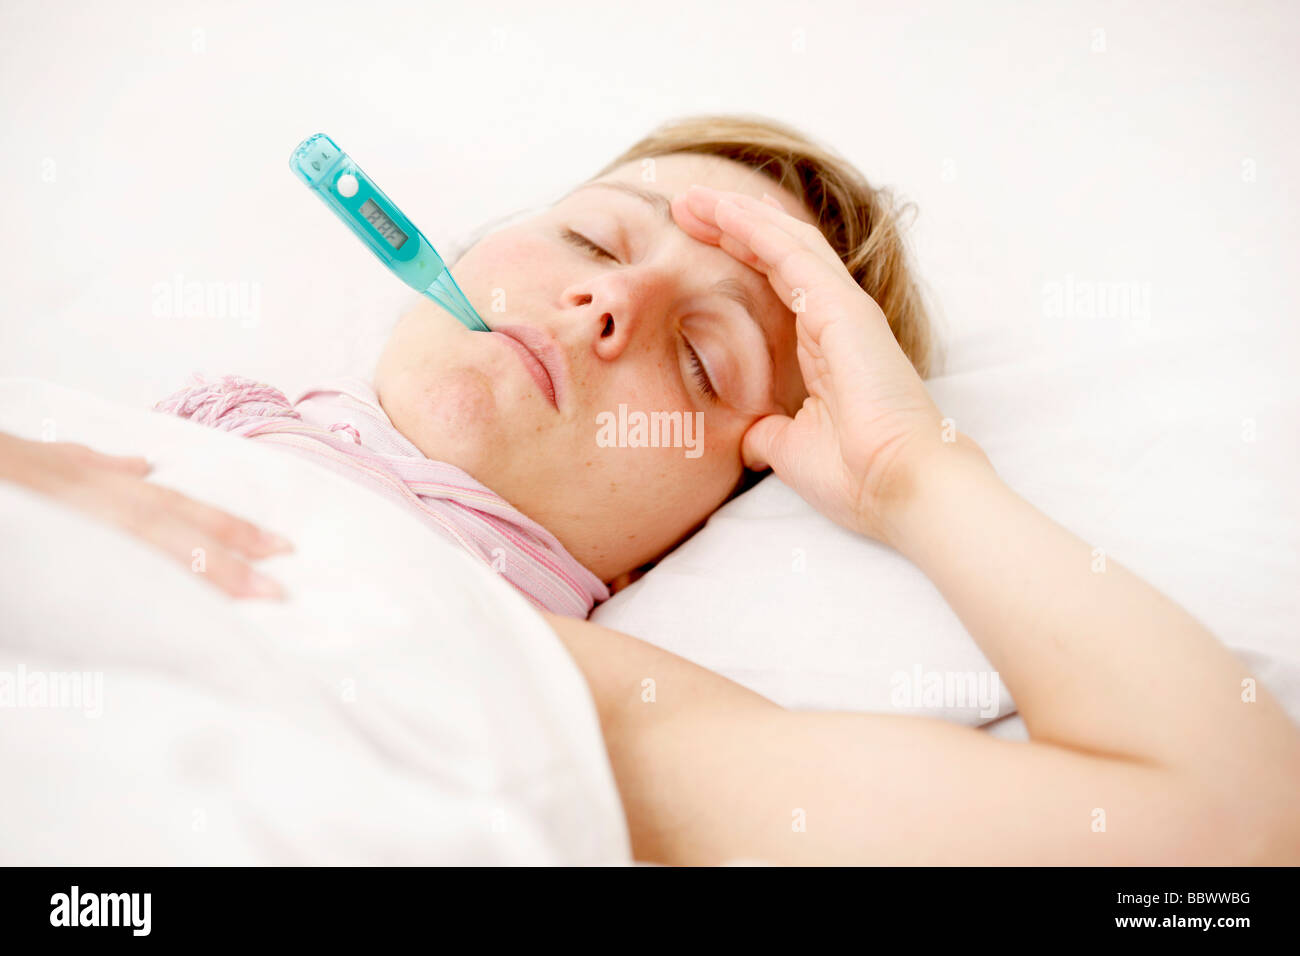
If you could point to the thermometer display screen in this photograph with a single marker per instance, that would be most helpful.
(372, 214)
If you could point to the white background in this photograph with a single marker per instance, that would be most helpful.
(1149, 143)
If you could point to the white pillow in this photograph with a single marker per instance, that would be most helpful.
(1178, 461)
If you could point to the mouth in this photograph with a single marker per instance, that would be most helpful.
(540, 356)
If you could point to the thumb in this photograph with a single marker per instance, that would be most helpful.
(762, 443)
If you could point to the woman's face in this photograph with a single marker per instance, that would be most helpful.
(614, 330)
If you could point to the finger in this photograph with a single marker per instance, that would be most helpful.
(759, 447)
(712, 234)
(697, 211)
(134, 506)
(694, 225)
(230, 531)
(133, 465)
(703, 201)
(204, 555)
(759, 236)
(787, 262)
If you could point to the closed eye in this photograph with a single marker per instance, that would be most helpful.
(699, 374)
(582, 242)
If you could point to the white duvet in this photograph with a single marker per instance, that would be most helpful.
(404, 706)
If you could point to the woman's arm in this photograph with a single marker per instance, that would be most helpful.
(1142, 750)
(1097, 660)
(1143, 747)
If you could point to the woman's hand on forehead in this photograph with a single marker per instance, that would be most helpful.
(868, 420)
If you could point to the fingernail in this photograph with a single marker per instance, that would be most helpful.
(275, 542)
(260, 586)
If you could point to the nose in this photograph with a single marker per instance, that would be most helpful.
(614, 308)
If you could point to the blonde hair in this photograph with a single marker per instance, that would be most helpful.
(862, 223)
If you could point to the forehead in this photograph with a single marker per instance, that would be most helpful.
(677, 172)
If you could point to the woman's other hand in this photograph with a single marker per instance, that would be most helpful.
(113, 489)
(868, 428)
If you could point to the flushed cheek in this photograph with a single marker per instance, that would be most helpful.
(451, 417)
(460, 398)
(501, 267)
(642, 383)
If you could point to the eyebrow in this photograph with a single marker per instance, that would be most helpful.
(733, 289)
(656, 200)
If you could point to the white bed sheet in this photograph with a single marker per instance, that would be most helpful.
(405, 705)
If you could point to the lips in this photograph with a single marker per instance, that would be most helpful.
(540, 355)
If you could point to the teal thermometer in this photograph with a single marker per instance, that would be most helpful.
(376, 221)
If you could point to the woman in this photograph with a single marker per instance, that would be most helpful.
(642, 288)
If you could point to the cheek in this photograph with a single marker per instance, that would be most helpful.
(451, 416)
(454, 400)
(435, 396)
(694, 464)
(502, 266)
(646, 378)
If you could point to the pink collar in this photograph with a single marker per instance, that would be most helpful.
(343, 427)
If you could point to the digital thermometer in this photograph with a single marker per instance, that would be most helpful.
(363, 207)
